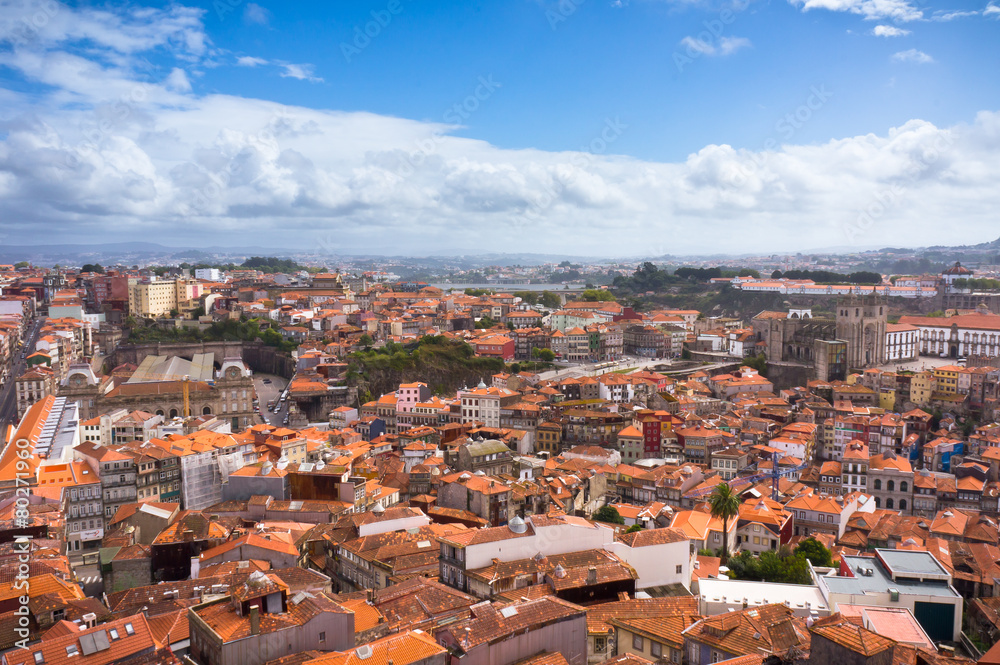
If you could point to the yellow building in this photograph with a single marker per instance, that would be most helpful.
(887, 399)
(160, 297)
(922, 386)
(947, 379)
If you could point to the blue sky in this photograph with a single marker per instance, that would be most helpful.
(564, 71)
(597, 126)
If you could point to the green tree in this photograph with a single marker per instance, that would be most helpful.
(92, 267)
(634, 528)
(365, 340)
(597, 295)
(550, 300)
(21, 264)
(485, 323)
(814, 551)
(758, 362)
(725, 505)
(608, 514)
(546, 355)
(527, 297)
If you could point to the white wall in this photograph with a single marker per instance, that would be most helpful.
(556, 539)
(656, 565)
(401, 524)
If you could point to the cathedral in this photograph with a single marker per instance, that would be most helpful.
(861, 322)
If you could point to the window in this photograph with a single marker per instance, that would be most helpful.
(655, 649)
(39, 658)
(902, 488)
(71, 650)
(129, 630)
(114, 633)
(680, 569)
(637, 642)
(600, 644)
(718, 656)
(878, 484)
(322, 637)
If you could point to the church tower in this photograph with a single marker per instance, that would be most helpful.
(861, 322)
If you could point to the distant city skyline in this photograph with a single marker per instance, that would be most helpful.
(618, 129)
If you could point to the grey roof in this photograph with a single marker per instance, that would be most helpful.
(489, 447)
(880, 581)
(911, 563)
(172, 368)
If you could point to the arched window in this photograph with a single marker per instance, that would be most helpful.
(878, 484)
(878, 504)
(891, 486)
(902, 504)
(888, 504)
(174, 413)
(159, 412)
(902, 486)
(206, 411)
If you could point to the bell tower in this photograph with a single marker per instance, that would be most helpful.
(861, 322)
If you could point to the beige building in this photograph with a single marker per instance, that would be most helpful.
(159, 298)
(34, 385)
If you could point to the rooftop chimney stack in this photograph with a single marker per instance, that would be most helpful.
(592, 575)
(254, 620)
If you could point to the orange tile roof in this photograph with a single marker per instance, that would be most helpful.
(853, 637)
(53, 650)
(29, 429)
(399, 649)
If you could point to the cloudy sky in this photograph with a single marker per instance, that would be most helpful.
(609, 127)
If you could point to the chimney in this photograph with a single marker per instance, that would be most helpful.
(592, 575)
(254, 620)
(195, 567)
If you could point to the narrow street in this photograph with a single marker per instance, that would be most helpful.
(267, 392)
(8, 397)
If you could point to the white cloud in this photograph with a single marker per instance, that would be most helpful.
(725, 45)
(992, 10)
(912, 55)
(302, 72)
(250, 61)
(254, 13)
(889, 31)
(26, 22)
(178, 81)
(945, 16)
(872, 10)
(169, 165)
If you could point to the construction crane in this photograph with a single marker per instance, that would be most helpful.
(774, 474)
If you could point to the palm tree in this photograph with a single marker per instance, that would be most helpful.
(724, 504)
